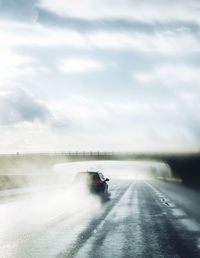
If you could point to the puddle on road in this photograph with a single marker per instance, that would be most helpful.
(191, 225)
(198, 243)
(178, 212)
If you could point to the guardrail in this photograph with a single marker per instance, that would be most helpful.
(100, 153)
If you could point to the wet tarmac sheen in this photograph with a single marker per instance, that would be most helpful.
(140, 220)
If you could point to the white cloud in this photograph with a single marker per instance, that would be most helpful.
(106, 125)
(145, 11)
(80, 66)
(125, 115)
(172, 75)
(140, 120)
(141, 125)
(20, 106)
(21, 34)
(19, 9)
(166, 42)
(78, 111)
(13, 65)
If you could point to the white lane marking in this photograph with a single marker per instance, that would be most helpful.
(161, 196)
(189, 224)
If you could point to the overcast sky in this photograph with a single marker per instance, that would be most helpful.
(120, 75)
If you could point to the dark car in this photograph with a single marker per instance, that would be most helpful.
(95, 181)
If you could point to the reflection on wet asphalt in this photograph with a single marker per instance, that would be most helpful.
(142, 219)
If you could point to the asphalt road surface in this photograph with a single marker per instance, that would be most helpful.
(141, 219)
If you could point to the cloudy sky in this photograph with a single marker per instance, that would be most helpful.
(99, 75)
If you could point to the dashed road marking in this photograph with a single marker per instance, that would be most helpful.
(186, 222)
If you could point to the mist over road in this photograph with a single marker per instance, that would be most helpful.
(141, 219)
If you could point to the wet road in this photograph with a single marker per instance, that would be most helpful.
(141, 219)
